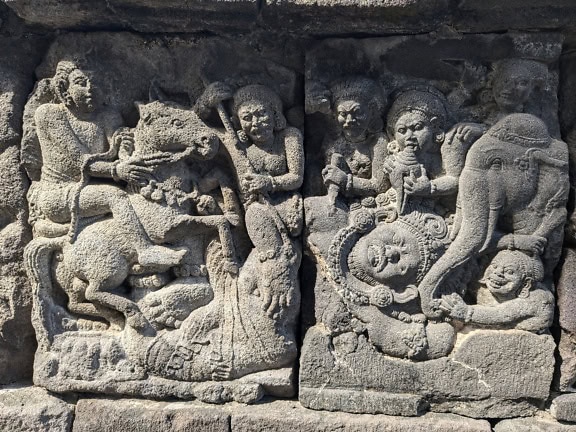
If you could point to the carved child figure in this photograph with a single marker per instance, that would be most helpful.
(511, 296)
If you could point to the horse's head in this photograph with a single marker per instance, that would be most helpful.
(166, 126)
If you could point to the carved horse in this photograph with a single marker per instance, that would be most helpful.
(102, 255)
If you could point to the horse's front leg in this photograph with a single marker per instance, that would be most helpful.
(222, 224)
(96, 292)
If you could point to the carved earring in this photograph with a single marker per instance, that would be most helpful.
(439, 137)
(279, 121)
(243, 137)
(525, 291)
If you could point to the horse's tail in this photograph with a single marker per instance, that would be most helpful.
(37, 261)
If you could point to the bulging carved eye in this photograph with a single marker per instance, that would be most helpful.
(177, 123)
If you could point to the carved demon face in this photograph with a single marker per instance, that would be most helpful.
(389, 254)
(354, 118)
(257, 121)
(504, 277)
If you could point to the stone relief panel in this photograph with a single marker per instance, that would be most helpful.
(436, 194)
(166, 213)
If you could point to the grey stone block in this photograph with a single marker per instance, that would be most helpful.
(133, 415)
(563, 407)
(281, 416)
(367, 401)
(33, 409)
(541, 423)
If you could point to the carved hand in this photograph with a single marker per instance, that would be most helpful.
(465, 133)
(206, 205)
(133, 172)
(275, 287)
(530, 243)
(334, 175)
(417, 185)
(124, 139)
(454, 307)
(257, 183)
(215, 93)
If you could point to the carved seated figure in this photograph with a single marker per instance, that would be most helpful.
(511, 296)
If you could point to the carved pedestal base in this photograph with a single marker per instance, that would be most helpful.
(489, 374)
(96, 363)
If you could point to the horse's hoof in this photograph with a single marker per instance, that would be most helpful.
(160, 256)
(139, 323)
(231, 266)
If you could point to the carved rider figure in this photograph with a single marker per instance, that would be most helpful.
(74, 139)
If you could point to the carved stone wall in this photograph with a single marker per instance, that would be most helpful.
(268, 210)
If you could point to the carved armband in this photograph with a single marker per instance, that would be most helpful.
(114, 171)
(349, 182)
(469, 314)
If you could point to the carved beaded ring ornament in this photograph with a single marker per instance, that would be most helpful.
(351, 281)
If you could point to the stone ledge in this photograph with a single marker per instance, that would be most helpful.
(132, 415)
(541, 423)
(138, 15)
(305, 17)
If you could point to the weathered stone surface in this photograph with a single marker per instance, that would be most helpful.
(17, 341)
(140, 15)
(132, 415)
(566, 300)
(426, 282)
(490, 408)
(370, 402)
(281, 416)
(541, 423)
(166, 251)
(313, 17)
(380, 16)
(33, 409)
(563, 407)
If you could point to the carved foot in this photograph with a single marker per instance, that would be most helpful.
(160, 256)
(137, 321)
